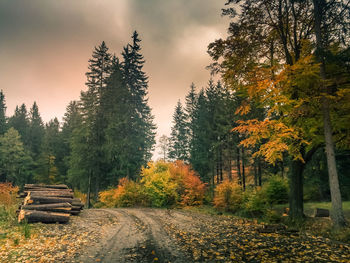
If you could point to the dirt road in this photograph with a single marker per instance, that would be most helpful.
(161, 235)
(139, 236)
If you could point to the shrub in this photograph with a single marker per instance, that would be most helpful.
(228, 196)
(162, 184)
(254, 202)
(8, 201)
(159, 186)
(276, 190)
(127, 193)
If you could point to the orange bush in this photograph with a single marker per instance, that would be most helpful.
(228, 196)
(8, 194)
(162, 184)
(128, 193)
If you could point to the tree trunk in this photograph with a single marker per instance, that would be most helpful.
(243, 169)
(221, 163)
(320, 212)
(296, 203)
(238, 164)
(259, 172)
(33, 216)
(337, 214)
(89, 191)
(45, 200)
(58, 207)
(34, 186)
(255, 173)
(51, 194)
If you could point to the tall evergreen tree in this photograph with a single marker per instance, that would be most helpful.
(118, 108)
(15, 162)
(178, 139)
(3, 124)
(137, 83)
(20, 122)
(71, 121)
(202, 154)
(47, 171)
(92, 130)
(36, 131)
(190, 107)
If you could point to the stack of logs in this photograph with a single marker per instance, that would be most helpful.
(48, 204)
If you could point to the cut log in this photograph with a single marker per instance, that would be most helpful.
(33, 216)
(45, 200)
(320, 212)
(74, 213)
(77, 208)
(51, 194)
(55, 186)
(59, 207)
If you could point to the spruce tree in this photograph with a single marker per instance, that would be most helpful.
(36, 131)
(117, 105)
(191, 100)
(20, 122)
(15, 161)
(137, 82)
(3, 124)
(93, 124)
(178, 138)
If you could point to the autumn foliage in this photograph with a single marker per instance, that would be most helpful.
(228, 196)
(7, 194)
(162, 184)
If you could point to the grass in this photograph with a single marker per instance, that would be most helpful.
(309, 207)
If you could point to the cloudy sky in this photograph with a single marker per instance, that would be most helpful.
(45, 46)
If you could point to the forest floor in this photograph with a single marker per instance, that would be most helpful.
(161, 235)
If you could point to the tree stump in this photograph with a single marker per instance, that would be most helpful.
(320, 212)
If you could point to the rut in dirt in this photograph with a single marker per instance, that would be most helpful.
(139, 236)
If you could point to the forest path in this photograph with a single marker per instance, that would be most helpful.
(162, 235)
(138, 236)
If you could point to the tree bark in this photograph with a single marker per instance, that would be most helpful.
(34, 186)
(238, 164)
(243, 169)
(337, 214)
(33, 216)
(296, 203)
(259, 172)
(59, 207)
(51, 194)
(45, 200)
(89, 191)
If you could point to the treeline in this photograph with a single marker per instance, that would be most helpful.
(287, 65)
(106, 135)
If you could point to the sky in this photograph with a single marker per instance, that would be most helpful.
(45, 46)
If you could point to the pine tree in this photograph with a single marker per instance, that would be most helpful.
(191, 100)
(93, 124)
(15, 162)
(71, 121)
(20, 122)
(36, 131)
(118, 108)
(3, 124)
(47, 171)
(202, 154)
(137, 83)
(178, 139)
